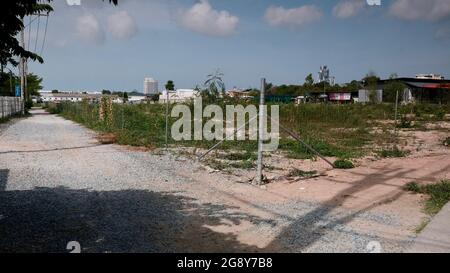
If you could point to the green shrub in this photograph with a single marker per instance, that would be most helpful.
(343, 164)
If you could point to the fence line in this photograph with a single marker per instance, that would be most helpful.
(10, 106)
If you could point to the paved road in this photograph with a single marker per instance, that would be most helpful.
(57, 184)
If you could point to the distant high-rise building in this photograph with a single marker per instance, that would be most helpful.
(150, 86)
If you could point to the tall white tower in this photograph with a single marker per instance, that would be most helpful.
(150, 86)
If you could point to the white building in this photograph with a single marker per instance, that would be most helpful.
(136, 99)
(73, 97)
(150, 86)
(179, 95)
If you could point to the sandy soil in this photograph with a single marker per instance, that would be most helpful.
(376, 185)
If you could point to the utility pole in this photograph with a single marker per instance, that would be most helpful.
(259, 174)
(396, 113)
(22, 70)
(167, 119)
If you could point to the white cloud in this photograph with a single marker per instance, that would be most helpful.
(88, 28)
(121, 25)
(295, 17)
(204, 19)
(348, 8)
(428, 10)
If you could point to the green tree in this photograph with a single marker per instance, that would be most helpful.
(353, 86)
(170, 86)
(7, 84)
(391, 88)
(33, 84)
(106, 92)
(309, 80)
(371, 83)
(9, 81)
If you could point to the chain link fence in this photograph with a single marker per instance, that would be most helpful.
(10, 106)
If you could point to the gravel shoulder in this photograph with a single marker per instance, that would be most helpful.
(58, 184)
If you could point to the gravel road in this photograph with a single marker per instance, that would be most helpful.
(58, 184)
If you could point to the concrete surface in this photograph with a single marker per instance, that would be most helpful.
(435, 238)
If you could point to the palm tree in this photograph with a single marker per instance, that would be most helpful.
(214, 83)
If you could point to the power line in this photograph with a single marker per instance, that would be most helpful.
(29, 25)
(29, 33)
(31, 21)
(45, 36)
(37, 33)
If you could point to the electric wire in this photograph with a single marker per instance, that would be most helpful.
(45, 35)
(37, 33)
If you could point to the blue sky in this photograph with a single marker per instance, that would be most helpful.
(97, 46)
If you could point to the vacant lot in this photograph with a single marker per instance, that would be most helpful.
(58, 184)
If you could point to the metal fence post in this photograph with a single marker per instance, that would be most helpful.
(167, 120)
(261, 132)
(396, 113)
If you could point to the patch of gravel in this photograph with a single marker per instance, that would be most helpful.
(309, 227)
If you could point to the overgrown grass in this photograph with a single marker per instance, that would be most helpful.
(342, 131)
(239, 156)
(392, 153)
(301, 173)
(439, 194)
(227, 166)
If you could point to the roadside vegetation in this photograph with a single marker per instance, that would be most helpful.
(438, 194)
(343, 164)
(392, 152)
(302, 174)
(342, 131)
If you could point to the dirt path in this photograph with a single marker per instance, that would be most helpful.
(57, 184)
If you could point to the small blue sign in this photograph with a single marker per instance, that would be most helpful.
(18, 93)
